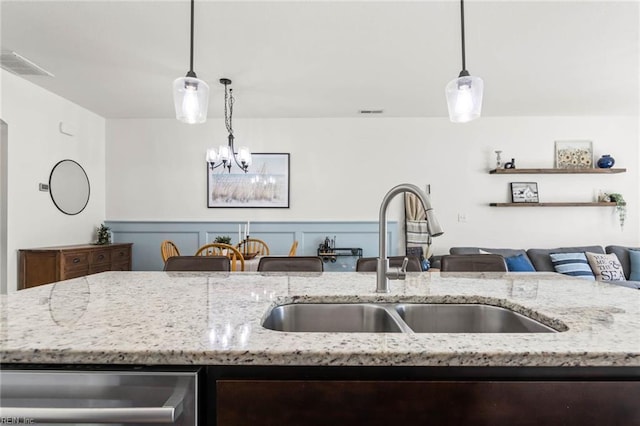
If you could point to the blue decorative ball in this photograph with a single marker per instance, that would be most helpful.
(606, 162)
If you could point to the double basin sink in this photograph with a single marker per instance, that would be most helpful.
(399, 318)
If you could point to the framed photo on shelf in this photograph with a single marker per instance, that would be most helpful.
(524, 192)
(573, 154)
(265, 185)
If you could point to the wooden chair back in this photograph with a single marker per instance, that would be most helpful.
(294, 248)
(168, 249)
(221, 249)
(370, 264)
(253, 245)
(198, 263)
(290, 264)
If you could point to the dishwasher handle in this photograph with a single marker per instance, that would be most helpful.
(167, 414)
(157, 415)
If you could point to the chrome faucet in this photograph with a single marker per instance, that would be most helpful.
(384, 274)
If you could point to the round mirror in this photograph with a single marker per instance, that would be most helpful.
(69, 187)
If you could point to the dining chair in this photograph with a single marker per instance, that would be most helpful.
(473, 263)
(221, 249)
(290, 264)
(168, 249)
(253, 245)
(294, 248)
(198, 263)
(370, 264)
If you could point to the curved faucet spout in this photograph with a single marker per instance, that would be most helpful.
(382, 271)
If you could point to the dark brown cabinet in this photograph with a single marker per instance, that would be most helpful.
(45, 265)
(338, 403)
(421, 395)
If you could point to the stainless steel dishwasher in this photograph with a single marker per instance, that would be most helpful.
(99, 396)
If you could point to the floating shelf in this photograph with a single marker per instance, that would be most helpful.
(555, 171)
(559, 204)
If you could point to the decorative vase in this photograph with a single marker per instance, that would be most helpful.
(606, 161)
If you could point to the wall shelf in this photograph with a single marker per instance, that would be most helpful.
(555, 171)
(559, 204)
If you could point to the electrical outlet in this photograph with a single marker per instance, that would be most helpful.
(462, 217)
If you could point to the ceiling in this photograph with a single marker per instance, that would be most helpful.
(332, 59)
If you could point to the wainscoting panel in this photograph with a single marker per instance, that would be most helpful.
(146, 237)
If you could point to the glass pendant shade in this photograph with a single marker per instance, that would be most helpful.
(464, 98)
(191, 99)
(224, 153)
(244, 155)
(212, 156)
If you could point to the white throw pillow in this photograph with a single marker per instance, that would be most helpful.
(606, 267)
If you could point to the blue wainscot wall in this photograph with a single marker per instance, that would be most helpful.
(189, 236)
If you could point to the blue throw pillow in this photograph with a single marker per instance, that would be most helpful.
(634, 259)
(573, 264)
(519, 263)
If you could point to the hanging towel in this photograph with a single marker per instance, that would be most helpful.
(421, 223)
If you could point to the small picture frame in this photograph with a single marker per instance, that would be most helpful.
(524, 192)
(574, 154)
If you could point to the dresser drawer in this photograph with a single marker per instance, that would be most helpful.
(75, 260)
(99, 257)
(121, 266)
(122, 254)
(74, 273)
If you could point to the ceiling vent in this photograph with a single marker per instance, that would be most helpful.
(370, 111)
(20, 65)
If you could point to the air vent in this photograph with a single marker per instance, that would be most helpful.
(370, 111)
(20, 65)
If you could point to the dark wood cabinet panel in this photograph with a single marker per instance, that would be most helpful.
(353, 402)
(45, 265)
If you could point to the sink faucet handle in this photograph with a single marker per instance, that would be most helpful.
(403, 268)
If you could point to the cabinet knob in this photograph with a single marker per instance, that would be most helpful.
(76, 260)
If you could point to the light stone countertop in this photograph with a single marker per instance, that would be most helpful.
(173, 318)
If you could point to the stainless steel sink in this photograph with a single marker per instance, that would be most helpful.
(333, 318)
(467, 318)
(399, 318)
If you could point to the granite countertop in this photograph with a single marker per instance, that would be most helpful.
(172, 318)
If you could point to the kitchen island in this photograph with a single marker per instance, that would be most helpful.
(214, 320)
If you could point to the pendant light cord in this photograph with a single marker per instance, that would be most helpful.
(464, 62)
(228, 109)
(191, 51)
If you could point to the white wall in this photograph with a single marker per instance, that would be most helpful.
(341, 169)
(35, 145)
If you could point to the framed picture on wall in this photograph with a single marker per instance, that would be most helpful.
(265, 185)
(574, 154)
(524, 192)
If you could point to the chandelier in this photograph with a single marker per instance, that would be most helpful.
(226, 153)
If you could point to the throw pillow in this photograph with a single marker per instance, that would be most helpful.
(573, 264)
(519, 263)
(606, 267)
(634, 259)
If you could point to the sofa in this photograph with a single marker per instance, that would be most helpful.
(541, 259)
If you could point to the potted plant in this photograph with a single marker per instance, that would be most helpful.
(104, 235)
(225, 239)
(621, 206)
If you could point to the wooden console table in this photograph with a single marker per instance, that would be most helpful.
(45, 265)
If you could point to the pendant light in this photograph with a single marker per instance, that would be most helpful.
(190, 94)
(464, 94)
(226, 152)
